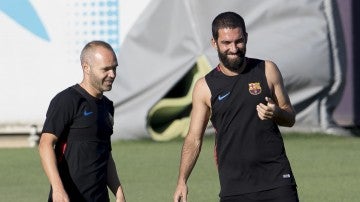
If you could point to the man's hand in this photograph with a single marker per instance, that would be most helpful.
(60, 196)
(180, 194)
(120, 197)
(266, 112)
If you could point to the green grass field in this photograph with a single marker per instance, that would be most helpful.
(326, 168)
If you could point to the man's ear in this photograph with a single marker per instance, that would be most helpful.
(86, 68)
(213, 43)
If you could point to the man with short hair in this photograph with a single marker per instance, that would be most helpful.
(246, 100)
(79, 123)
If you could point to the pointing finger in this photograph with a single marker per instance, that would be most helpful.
(269, 100)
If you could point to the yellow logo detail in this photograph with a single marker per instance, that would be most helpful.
(254, 88)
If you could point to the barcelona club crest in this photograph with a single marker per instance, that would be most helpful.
(254, 88)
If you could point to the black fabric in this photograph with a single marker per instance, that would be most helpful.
(250, 152)
(83, 125)
(281, 194)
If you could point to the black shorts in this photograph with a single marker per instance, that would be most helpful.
(281, 194)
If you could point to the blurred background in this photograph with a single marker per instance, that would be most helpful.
(163, 47)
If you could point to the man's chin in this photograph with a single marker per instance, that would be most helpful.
(107, 88)
(235, 66)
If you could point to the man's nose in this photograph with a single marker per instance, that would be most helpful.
(112, 73)
(233, 48)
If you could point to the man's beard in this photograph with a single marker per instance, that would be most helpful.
(232, 64)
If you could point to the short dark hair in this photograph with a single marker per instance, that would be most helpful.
(90, 47)
(227, 20)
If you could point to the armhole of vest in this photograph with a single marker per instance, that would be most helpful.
(263, 66)
(207, 80)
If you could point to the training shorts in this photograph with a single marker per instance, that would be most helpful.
(280, 194)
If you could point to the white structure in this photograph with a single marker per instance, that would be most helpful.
(158, 43)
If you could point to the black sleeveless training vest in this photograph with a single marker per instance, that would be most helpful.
(250, 152)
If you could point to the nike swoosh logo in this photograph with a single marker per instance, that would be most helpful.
(87, 113)
(221, 97)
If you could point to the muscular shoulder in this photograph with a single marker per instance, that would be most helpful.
(201, 91)
(272, 72)
(270, 66)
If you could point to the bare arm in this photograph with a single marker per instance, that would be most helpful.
(192, 144)
(278, 107)
(49, 164)
(114, 182)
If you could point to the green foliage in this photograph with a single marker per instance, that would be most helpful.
(326, 169)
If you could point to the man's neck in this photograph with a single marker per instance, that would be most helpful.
(91, 90)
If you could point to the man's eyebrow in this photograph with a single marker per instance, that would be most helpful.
(111, 66)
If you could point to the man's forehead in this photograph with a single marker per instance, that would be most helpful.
(231, 33)
(230, 30)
